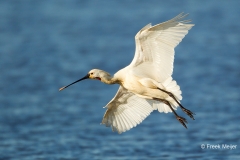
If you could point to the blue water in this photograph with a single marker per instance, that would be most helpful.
(45, 45)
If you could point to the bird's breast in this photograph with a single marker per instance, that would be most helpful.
(132, 84)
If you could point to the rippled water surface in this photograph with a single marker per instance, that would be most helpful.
(47, 44)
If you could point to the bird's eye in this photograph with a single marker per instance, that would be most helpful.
(91, 73)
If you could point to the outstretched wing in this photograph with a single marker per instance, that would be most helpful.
(126, 110)
(155, 45)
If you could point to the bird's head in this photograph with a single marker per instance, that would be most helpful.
(92, 74)
(98, 74)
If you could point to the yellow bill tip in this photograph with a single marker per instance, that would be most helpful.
(61, 88)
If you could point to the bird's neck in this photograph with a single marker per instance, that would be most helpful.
(109, 80)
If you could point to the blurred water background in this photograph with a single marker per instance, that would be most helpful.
(47, 44)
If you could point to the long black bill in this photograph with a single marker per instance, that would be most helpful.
(86, 77)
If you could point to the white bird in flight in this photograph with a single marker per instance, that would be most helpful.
(146, 84)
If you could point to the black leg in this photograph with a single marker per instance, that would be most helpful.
(188, 112)
(180, 119)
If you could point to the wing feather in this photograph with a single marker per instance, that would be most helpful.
(155, 48)
(125, 111)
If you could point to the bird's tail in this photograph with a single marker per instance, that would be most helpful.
(171, 86)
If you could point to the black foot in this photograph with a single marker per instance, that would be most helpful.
(188, 112)
(182, 121)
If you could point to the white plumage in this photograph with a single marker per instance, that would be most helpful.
(146, 84)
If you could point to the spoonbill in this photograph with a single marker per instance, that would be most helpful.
(146, 84)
